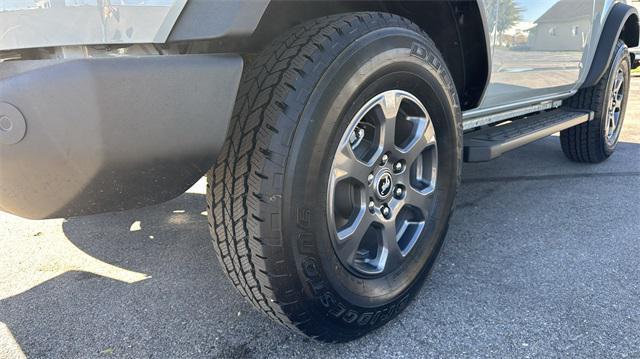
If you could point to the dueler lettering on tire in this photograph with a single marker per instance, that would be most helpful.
(346, 131)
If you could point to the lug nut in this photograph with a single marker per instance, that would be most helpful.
(398, 166)
(370, 178)
(386, 212)
(399, 192)
(372, 206)
(385, 158)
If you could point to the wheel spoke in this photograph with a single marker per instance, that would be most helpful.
(346, 165)
(419, 199)
(393, 253)
(390, 105)
(426, 138)
(351, 237)
(617, 85)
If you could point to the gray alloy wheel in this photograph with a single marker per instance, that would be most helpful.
(614, 109)
(382, 182)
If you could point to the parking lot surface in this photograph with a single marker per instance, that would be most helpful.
(542, 260)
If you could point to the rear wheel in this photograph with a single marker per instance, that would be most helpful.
(595, 141)
(332, 196)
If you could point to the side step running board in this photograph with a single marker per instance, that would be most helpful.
(491, 142)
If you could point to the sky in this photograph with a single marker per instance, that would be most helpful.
(534, 8)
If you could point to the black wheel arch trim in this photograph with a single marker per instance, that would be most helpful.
(621, 23)
(247, 26)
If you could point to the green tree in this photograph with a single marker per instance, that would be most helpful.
(502, 15)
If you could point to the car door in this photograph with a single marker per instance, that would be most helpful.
(538, 47)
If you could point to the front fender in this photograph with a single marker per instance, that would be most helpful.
(622, 22)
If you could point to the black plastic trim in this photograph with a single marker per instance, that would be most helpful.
(211, 19)
(491, 142)
(611, 32)
(111, 134)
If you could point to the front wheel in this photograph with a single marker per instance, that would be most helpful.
(332, 196)
(594, 141)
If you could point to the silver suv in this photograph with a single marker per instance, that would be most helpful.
(332, 133)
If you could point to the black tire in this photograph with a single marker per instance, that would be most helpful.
(267, 194)
(589, 142)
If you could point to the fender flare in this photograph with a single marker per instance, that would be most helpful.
(211, 19)
(239, 26)
(619, 16)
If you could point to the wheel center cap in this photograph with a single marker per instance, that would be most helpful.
(383, 184)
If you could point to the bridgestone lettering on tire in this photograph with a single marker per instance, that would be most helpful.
(268, 194)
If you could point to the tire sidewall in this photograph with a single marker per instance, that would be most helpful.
(352, 79)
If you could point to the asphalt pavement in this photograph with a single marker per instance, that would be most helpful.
(542, 260)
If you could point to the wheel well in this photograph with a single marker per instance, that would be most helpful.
(631, 31)
(456, 27)
(621, 23)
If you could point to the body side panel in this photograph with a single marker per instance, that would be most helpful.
(28, 25)
(538, 48)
